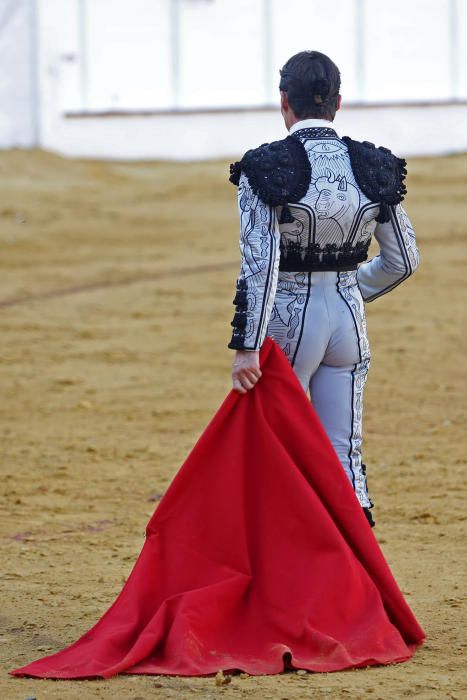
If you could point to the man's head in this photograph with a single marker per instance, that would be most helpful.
(309, 86)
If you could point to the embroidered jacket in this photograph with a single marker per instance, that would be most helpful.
(311, 202)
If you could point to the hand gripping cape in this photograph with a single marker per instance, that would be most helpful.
(258, 558)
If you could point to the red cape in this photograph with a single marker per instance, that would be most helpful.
(257, 558)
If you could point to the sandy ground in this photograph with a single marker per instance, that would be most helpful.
(112, 365)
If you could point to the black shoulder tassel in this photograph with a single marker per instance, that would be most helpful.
(286, 215)
(235, 172)
(384, 213)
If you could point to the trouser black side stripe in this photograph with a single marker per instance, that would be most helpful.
(351, 427)
(303, 319)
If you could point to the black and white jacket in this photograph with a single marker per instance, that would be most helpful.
(313, 201)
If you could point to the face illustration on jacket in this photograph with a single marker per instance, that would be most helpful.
(293, 232)
(328, 157)
(336, 197)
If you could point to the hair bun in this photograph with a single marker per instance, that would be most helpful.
(320, 90)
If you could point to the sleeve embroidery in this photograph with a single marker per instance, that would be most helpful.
(257, 281)
(398, 258)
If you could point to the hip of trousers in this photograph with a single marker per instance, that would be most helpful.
(319, 318)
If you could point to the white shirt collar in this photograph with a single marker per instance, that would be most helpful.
(309, 123)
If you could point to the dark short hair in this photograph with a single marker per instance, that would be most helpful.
(312, 83)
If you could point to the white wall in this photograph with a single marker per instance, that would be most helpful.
(197, 136)
(17, 74)
(164, 57)
(153, 54)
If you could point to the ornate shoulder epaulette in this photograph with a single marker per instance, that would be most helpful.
(379, 173)
(278, 172)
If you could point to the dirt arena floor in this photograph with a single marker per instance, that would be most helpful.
(116, 291)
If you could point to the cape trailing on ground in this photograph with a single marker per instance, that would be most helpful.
(257, 558)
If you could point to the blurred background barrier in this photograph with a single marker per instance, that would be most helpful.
(198, 79)
(116, 288)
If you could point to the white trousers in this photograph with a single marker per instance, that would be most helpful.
(318, 319)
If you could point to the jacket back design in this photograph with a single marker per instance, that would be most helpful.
(318, 215)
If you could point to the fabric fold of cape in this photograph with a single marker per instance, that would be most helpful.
(257, 558)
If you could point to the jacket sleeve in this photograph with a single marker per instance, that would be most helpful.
(257, 281)
(398, 256)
